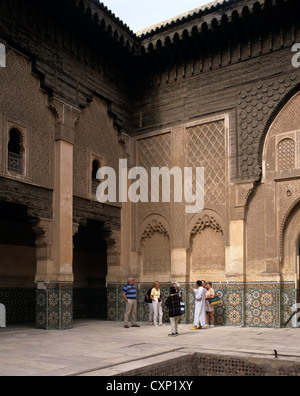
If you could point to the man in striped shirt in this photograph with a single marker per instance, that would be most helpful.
(130, 297)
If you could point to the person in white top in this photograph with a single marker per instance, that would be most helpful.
(200, 306)
(156, 298)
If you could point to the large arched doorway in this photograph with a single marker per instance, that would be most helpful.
(17, 264)
(90, 271)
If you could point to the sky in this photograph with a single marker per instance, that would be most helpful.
(140, 14)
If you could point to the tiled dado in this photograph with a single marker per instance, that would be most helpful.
(243, 304)
(19, 304)
(54, 306)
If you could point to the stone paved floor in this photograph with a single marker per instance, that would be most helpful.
(106, 348)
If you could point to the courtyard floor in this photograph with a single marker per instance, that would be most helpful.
(98, 348)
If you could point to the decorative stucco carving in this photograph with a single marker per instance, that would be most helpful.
(206, 222)
(256, 105)
(66, 118)
(152, 228)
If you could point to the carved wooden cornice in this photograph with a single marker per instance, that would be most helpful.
(93, 210)
(38, 200)
(227, 24)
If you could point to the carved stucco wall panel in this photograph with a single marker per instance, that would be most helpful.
(272, 230)
(207, 247)
(256, 103)
(94, 132)
(22, 101)
(255, 234)
(206, 147)
(290, 245)
(198, 144)
(154, 151)
(154, 247)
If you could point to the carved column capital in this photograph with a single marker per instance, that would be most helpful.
(66, 117)
(113, 241)
(43, 231)
(242, 194)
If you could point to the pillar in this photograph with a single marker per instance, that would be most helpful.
(55, 264)
(235, 266)
(179, 271)
(236, 251)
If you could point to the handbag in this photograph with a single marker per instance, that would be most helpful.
(214, 301)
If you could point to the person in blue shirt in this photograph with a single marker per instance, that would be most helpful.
(130, 297)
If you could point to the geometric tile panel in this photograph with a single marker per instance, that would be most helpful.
(19, 304)
(54, 307)
(288, 297)
(262, 308)
(250, 305)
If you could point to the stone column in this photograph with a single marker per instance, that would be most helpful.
(179, 263)
(179, 271)
(236, 252)
(235, 266)
(236, 274)
(55, 276)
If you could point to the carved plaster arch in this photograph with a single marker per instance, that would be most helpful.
(155, 249)
(207, 246)
(151, 225)
(207, 219)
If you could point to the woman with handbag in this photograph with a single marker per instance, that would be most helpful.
(210, 293)
(157, 305)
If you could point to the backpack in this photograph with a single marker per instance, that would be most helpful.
(148, 301)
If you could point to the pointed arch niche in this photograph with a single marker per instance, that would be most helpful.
(155, 250)
(207, 248)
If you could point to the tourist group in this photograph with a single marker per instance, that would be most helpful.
(205, 300)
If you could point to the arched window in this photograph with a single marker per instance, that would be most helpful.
(95, 182)
(15, 160)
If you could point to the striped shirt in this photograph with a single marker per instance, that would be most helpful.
(130, 291)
